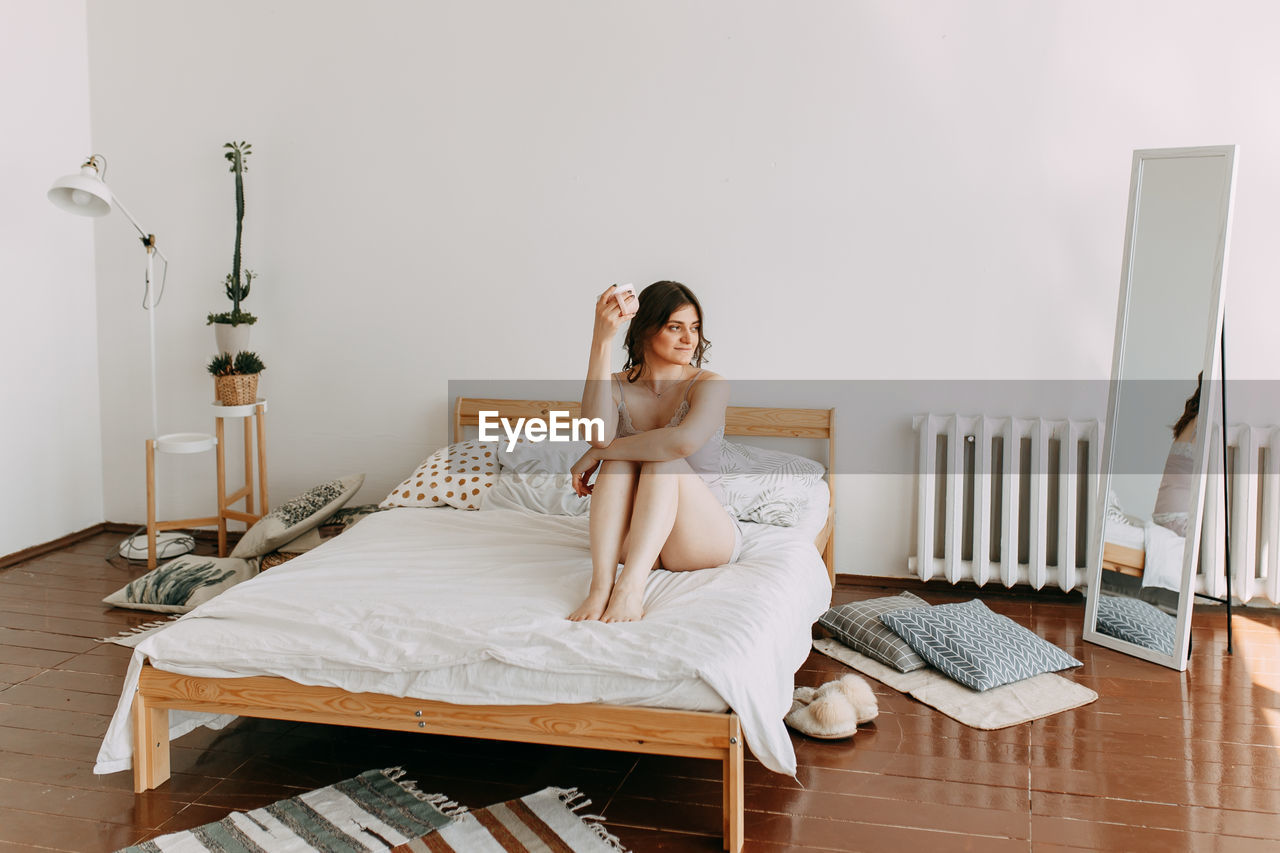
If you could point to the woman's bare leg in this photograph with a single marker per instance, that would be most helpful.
(611, 499)
(674, 516)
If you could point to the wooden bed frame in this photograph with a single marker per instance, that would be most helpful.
(1123, 559)
(694, 734)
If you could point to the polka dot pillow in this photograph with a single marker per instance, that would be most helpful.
(457, 476)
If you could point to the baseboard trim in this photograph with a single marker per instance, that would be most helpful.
(49, 547)
(963, 587)
(200, 534)
(119, 527)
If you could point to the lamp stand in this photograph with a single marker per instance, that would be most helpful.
(150, 242)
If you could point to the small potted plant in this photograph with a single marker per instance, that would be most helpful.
(231, 328)
(235, 378)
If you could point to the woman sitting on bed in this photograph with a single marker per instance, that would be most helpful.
(657, 500)
(1173, 500)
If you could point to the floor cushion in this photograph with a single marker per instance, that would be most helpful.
(976, 647)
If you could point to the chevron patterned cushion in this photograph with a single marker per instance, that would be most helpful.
(858, 626)
(1136, 622)
(976, 647)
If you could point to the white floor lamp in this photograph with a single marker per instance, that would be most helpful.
(85, 194)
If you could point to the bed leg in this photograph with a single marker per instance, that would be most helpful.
(734, 796)
(150, 745)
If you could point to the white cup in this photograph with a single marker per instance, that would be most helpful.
(628, 303)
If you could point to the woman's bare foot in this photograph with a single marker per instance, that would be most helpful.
(626, 604)
(592, 608)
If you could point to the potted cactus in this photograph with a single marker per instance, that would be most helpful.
(231, 328)
(235, 378)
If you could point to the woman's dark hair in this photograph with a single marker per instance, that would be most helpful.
(1191, 410)
(658, 302)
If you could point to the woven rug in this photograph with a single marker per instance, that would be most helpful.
(379, 811)
(539, 823)
(130, 637)
(997, 708)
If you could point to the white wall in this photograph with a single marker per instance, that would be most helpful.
(50, 427)
(877, 190)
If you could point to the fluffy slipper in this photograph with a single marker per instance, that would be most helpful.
(804, 695)
(834, 710)
(857, 691)
(829, 717)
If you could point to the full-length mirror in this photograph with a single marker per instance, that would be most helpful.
(1147, 527)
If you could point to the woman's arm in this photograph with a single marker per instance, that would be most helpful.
(708, 399)
(597, 394)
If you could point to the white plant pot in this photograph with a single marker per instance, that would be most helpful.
(231, 339)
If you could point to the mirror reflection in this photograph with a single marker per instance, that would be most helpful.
(1167, 331)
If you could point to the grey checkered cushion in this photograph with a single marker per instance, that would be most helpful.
(1136, 622)
(858, 626)
(976, 647)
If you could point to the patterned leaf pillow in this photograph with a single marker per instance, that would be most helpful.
(766, 486)
(182, 584)
(339, 522)
(752, 498)
(858, 626)
(747, 459)
(294, 518)
(976, 647)
(456, 476)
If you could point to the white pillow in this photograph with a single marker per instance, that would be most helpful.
(1116, 513)
(544, 493)
(542, 457)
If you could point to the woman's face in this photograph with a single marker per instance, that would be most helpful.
(675, 341)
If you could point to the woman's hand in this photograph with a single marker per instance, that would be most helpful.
(581, 472)
(609, 316)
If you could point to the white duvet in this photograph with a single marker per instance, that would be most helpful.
(470, 607)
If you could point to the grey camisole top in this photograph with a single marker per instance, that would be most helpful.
(1173, 500)
(705, 461)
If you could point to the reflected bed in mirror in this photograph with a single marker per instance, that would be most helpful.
(1154, 452)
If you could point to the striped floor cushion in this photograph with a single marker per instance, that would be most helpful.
(1136, 622)
(976, 647)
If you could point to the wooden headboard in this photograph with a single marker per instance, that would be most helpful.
(738, 420)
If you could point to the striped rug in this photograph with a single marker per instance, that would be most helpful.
(539, 823)
(381, 811)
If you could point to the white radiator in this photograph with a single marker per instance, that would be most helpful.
(1253, 474)
(990, 504)
(1017, 502)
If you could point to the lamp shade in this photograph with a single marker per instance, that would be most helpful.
(84, 194)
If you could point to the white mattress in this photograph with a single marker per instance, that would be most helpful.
(470, 608)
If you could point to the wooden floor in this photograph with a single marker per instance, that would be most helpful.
(1162, 761)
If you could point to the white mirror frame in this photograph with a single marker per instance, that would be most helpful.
(1210, 405)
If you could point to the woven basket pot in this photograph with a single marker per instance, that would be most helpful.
(238, 390)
